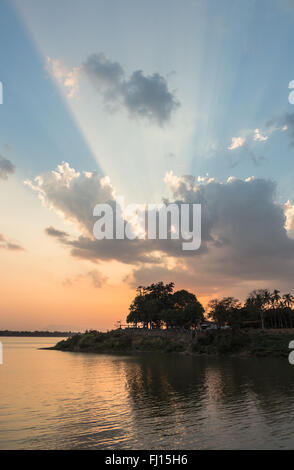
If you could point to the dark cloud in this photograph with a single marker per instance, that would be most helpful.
(106, 76)
(53, 232)
(125, 251)
(142, 95)
(6, 168)
(244, 239)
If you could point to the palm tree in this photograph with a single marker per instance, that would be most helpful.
(275, 299)
(259, 301)
(288, 301)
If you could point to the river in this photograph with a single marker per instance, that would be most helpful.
(60, 400)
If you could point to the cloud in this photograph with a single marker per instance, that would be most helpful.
(143, 96)
(286, 124)
(53, 232)
(246, 238)
(7, 244)
(259, 137)
(245, 144)
(237, 142)
(6, 168)
(246, 234)
(73, 195)
(148, 96)
(289, 214)
(96, 278)
(68, 78)
(106, 76)
(249, 246)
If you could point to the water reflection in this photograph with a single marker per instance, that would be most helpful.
(58, 400)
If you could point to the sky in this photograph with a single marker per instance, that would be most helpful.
(186, 101)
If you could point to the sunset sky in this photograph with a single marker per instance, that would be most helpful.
(184, 100)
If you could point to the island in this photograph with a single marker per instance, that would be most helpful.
(166, 321)
(215, 342)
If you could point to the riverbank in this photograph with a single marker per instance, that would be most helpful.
(250, 342)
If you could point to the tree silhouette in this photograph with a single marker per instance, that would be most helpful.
(157, 305)
(226, 311)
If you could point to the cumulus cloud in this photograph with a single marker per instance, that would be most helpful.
(143, 96)
(289, 214)
(237, 142)
(6, 168)
(7, 244)
(246, 233)
(239, 213)
(73, 195)
(255, 135)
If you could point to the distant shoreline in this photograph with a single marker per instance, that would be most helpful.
(36, 334)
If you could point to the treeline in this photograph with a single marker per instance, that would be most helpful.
(44, 334)
(158, 305)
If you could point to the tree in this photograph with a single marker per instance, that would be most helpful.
(275, 298)
(193, 314)
(258, 302)
(288, 300)
(148, 304)
(225, 312)
(157, 304)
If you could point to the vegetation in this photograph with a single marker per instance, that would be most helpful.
(171, 322)
(158, 305)
(124, 341)
(262, 309)
(216, 342)
(245, 342)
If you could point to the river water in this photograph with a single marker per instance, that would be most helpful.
(59, 400)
